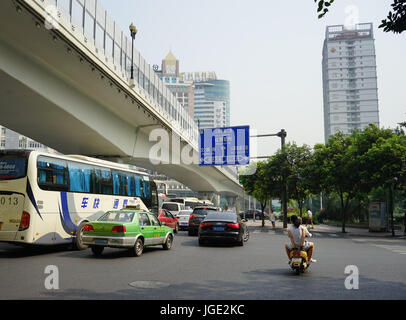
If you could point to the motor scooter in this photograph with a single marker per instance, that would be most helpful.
(298, 260)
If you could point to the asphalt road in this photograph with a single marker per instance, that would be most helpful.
(256, 271)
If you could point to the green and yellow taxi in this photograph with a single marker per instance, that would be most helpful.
(127, 228)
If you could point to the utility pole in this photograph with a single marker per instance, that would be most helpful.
(282, 134)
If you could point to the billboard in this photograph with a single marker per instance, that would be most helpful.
(224, 146)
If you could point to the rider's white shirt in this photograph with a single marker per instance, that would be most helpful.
(297, 234)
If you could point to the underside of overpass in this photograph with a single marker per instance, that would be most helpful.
(54, 91)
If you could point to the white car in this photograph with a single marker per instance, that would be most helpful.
(173, 207)
(183, 218)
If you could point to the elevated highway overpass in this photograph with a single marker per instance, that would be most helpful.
(64, 81)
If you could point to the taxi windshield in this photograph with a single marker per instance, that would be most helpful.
(117, 216)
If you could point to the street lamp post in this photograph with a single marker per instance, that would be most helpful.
(133, 31)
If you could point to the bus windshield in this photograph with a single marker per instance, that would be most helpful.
(12, 166)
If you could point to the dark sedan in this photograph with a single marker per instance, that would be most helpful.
(197, 216)
(249, 214)
(223, 227)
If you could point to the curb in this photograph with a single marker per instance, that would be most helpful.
(258, 226)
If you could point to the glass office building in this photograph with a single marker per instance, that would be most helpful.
(212, 103)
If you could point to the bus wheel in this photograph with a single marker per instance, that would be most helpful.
(78, 243)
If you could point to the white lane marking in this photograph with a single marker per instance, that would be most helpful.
(394, 249)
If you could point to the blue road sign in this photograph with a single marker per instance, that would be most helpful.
(224, 146)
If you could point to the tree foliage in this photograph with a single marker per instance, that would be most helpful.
(335, 170)
(350, 166)
(297, 158)
(395, 21)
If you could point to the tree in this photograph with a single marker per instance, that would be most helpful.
(354, 166)
(297, 160)
(334, 170)
(255, 185)
(386, 163)
(395, 22)
(265, 183)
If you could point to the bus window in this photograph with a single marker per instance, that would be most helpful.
(137, 185)
(129, 185)
(52, 174)
(95, 184)
(147, 189)
(106, 181)
(116, 183)
(120, 186)
(79, 177)
(123, 184)
(154, 195)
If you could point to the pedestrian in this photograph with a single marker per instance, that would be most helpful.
(273, 218)
(309, 218)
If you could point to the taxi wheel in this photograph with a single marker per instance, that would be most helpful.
(78, 243)
(138, 247)
(168, 243)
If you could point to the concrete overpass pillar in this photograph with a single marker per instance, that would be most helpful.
(232, 201)
(205, 195)
(238, 204)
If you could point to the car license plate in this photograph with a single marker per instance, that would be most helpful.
(297, 260)
(100, 241)
(201, 219)
(218, 228)
(183, 223)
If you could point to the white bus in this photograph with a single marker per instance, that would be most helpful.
(46, 199)
(188, 202)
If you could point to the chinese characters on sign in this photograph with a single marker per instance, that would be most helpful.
(224, 146)
(96, 203)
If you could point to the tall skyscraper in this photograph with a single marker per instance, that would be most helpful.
(212, 102)
(204, 97)
(350, 91)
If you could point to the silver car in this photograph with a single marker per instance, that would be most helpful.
(183, 218)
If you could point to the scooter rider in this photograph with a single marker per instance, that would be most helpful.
(297, 234)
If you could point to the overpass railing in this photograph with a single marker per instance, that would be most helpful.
(91, 19)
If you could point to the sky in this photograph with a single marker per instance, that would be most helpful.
(270, 51)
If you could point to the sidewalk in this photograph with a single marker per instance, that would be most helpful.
(323, 228)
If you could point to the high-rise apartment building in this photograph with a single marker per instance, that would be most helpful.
(350, 91)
